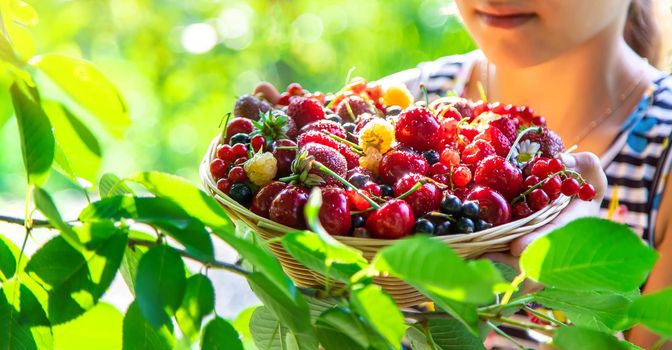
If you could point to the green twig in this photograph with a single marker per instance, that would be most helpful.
(544, 317)
(503, 334)
(514, 285)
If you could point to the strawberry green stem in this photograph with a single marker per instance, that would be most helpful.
(289, 178)
(345, 182)
(520, 136)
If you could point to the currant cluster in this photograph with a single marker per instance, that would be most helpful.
(388, 166)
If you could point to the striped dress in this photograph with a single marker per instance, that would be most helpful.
(637, 163)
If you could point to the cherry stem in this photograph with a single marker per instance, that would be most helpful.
(520, 136)
(412, 189)
(287, 147)
(350, 112)
(438, 214)
(481, 91)
(362, 211)
(539, 184)
(345, 182)
(441, 186)
(340, 139)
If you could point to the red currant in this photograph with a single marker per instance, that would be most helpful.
(450, 157)
(237, 174)
(530, 181)
(552, 185)
(438, 168)
(540, 169)
(555, 165)
(587, 192)
(258, 142)
(570, 186)
(539, 120)
(224, 185)
(461, 176)
(224, 153)
(239, 150)
(218, 168)
(538, 199)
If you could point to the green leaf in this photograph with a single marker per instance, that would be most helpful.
(196, 202)
(572, 338)
(443, 334)
(47, 207)
(653, 311)
(464, 312)
(79, 145)
(37, 139)
(160, 212)
(317, 306)
(17, 332)
(219, 334)
(242, 322)
(589, 254)
(432, 266)
(99, 328)
(129, 265)
(7, 53)
(110, 185)
(9, 254)
(139, 334)
(266, 330)
(339, 328)
(75, 279)
(595, 310)
(160, 284)
(311, 251)
(199, 301)
(88, 87)
(26, 303)
(379, 310)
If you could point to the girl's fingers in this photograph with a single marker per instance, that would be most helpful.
(268, 92)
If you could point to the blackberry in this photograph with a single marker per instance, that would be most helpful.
(241, 193)
(239, 138)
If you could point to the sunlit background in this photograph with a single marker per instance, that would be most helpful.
(181, 64)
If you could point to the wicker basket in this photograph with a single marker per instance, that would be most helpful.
(471, 245)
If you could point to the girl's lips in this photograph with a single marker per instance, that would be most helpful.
(505, 21)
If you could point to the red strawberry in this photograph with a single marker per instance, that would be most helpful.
(502, 176)
(316, 137)
(427, 198)
(304, 111)
(418, 128)
(549, 142)
(350, 156)
(396, 164)
(477, 151)
(287, 207)
(291, 129)
(493, 207)
(394, 219)
(261, 203)
(330, 158)
(325, 125)
(469, 132)
(508, 127)
(357, 105)
(335, 211)
(284, 156)
(497, 139)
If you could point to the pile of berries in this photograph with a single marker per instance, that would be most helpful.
(388, 166)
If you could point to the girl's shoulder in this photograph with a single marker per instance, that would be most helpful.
(661, 98)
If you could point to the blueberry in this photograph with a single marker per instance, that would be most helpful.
(393, 110)
(239, 138)
(451, 204)
(481, 225)
(470, 209)
(423, 226)
(361, 232)
(241, 193)
(387, 190)
(335, 118)
(443, 228)
(358, 221)
(350, 127)
(359, 180)
(464, 225)
(432, 156)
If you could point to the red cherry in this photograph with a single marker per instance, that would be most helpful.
(237, 174)
(552, 185)
(261, 203)
(555, 165)
(496, 137)
(521, 210)
(499, 174)
(393, 220)
(284, 99)
(335, 211)
(480, 107)
(218, 168)
(530, 181)
(587, 192)
(450, 157)
(461, 176)
(570, 186)
(284, 156)
(224, 185)
(224, 153)
(239, 150)
(538, 199)
(442, 178)
(418, 128)
(493, 206)
(373, 188)
(424, 199)
(238, 125)
(438, 168)
(258, 142)
(399, 163)
(540, 169)
(287, 207)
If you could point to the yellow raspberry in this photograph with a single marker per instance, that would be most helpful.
(398, 95)
(371, 159)
(483, 120)
(261, 168)
(378, 134)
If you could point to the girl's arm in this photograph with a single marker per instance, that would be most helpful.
(661, 276)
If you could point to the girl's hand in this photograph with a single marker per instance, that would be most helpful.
(268, 92)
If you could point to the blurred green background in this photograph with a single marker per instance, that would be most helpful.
(181, 64)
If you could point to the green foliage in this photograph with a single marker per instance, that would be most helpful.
(138, 333)
(571, 338)
(376, 306)
(98, 328)
(340, 328)
(198, 301)
(653, 311)
(8, 259)
(443, 334)
(16, 332)
(220, 335)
